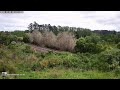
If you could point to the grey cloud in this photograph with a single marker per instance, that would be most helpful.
(108, 19)
(114, 20)
(22, 20)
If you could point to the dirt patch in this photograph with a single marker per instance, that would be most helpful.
(44, 49)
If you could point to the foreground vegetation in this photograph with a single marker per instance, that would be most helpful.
(86, 55)
(59, 73)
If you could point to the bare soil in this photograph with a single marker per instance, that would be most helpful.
(44, 49)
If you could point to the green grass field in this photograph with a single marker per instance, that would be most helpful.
(57, 73)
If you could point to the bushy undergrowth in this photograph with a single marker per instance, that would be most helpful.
(18, 56)
(109, 60)
(7, 66)
(118, 45)
(89, 45)
(22, 57)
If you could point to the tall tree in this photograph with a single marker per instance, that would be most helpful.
(36, 26)
(30, 26)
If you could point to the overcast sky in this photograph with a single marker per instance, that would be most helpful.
(93, 20)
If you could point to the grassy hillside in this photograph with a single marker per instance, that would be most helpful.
(67, 57)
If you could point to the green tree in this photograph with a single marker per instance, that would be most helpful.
(82, 32)
(88, 44)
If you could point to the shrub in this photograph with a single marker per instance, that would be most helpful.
(117, 71)
(9, 67)
(49, 39)
(118, 45)
(37, 38)
(18, 33)
(7, 38)
(94, 38)
(65, 41)
(71, 62)
(1, 45)
(84, 61)
(2, 52)
(32, 58)
(50, 63)
(12, 45)
(83, 46)
(27, 38)
(108, 60)
(35, 66)
(20, 39)
(27, 49)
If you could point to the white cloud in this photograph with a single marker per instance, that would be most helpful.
(86, 19)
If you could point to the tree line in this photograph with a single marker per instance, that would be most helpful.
(107, 35)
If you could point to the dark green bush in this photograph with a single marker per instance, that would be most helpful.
(12, 45)
(83, 46)
(26, 38)
(117, 71)
(35, 66)
(108, 60)
(27, 49)
(7, 38)
(118, 45)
